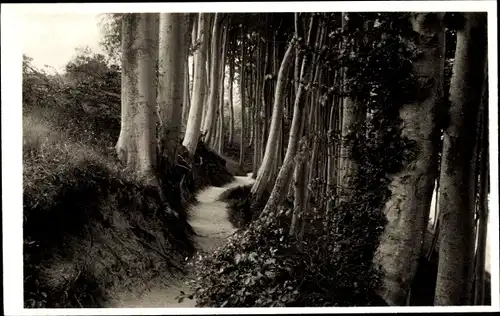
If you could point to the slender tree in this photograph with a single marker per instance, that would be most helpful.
(264, 172)
(243, 97)
(231, 101)
(188, 31)
(208, 129)
(196, 109)
(284, 175)
(222, 76)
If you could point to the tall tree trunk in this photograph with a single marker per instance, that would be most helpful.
(353, 113)
(220, 136)
(208, 66)
(208, 130)
(284, 175)
(257, 106)
(270, 154)
(314, 117)
(251, 109)
(255, 124)
(195, 112)
(296, 72)
(231, 105)
(278, 155)
(171, 81)
(412, 186)
(186, 96)
(456, 206)
(480, 265)
(300, 175)
(190, 19)
(333, 118)
(263, 105)
(243, 99)
(136, 146)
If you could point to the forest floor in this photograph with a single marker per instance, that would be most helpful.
(210, 222)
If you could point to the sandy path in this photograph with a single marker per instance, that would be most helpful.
(209, 221)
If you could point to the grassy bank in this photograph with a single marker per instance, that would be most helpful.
(91, 230)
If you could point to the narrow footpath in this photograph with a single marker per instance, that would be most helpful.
(210, 222)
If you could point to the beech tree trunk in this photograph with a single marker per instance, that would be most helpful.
(300, 202)
(284, 175)
(231, 105)
(412, 187)
(186, 95)
(257, 106)
(136, 146)
(222, 72)
(171, 75)
(272, 142)
(457, 202)
(208, 66)
(243, 99)
(195, 112)
(353, 113)
(208, 129)
(190, 24)
(484, 177)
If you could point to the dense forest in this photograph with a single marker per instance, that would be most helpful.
(363, 138)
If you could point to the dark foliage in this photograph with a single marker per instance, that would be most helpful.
(209, 168)
(233, 151)
(242, 208)
(233, 167)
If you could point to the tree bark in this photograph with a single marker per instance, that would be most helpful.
(353, 113)
(243, 99)
(190, 25)
(208, 130)
(220, 132)
(257, 106)
(412, 187)
(456, 206)
(480, 266)
(231, 105)
(208, 66)
(300, 183)
(195, 112)
(284, 175)
(136, 146)
(171, 75)
(270, 153)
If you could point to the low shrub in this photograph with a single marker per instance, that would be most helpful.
(242, 208)
(232, 151)
(209, 168)
(233, 167)
(263, 266)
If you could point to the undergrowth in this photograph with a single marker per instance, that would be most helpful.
(90, 230)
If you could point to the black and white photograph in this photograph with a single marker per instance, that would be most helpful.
(180, 158)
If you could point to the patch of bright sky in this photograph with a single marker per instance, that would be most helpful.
(52, 39)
